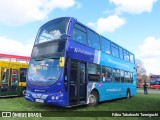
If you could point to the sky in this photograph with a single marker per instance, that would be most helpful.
(133, 24)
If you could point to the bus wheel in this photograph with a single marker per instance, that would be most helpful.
(128, 95)
(93, 99)
(23, 92)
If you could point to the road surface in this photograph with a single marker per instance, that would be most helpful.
(155, 91)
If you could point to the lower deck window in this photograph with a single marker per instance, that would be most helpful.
(93, 72)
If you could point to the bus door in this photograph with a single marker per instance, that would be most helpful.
(77, 90)
(14, 82)
(5, 77)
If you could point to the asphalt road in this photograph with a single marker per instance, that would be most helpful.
(155, 91)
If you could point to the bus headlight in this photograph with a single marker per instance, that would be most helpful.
(53, 97)
(56, 97)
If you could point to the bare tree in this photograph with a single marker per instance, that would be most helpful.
(140, 68)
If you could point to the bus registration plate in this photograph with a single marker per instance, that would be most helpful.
(40, 100)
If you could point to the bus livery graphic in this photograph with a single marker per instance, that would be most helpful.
(72, 65)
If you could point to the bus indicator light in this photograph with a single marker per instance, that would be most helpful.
(61, 62)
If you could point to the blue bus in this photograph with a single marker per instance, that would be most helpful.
(72, 65)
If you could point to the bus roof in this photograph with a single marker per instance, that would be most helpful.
(14, 56)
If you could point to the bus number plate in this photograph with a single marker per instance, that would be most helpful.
(40, 100)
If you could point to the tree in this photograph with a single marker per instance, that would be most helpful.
(140, 68)
(141, 71)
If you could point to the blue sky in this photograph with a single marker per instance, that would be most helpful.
(133, 24)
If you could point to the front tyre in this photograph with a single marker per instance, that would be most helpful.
(23, 92)
(93, 99)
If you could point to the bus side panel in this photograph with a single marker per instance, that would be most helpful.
(110, 91)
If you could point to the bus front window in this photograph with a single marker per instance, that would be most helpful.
(52, 30)
(44, 72)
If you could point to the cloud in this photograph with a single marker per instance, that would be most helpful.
(19, 12)
(149, 53)
(133, 6)
(109, 24)
(10, 46)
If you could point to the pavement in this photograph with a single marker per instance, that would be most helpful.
(154, 91)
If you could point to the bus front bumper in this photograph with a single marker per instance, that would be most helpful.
(54, 99)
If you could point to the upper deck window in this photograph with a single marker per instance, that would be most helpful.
(131, 58)
(126, 55)
(79, 34)
(121, 52)
(93, 40)
(105, 45)
(53, 30)
(115, 50)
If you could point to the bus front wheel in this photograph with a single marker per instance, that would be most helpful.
(93, 99)
(23, 92)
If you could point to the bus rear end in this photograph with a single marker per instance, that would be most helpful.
(155, 81)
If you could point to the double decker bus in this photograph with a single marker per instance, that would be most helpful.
(155, 81)
(13, 75)
(73, 65)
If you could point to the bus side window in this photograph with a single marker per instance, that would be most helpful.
(106, 74)
(23, 72)
(5, 78)
(127, 77)
(114, 74)
(131, 58)
(121, 52)
(122, 76)
(79, 34)
(93, 40)
(126, 55)
(14, 77)
(117, 78)
(93, 72)
(115, 50)
(5, 75)
(105, 45)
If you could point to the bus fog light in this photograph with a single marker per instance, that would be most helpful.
(53, 97)
(56, 97)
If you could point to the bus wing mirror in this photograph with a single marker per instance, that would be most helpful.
(61, 62)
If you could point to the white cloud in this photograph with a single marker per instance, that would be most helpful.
(9, 46)
(109, 24)
(133, 6)
(149, 53)
(19, 12)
